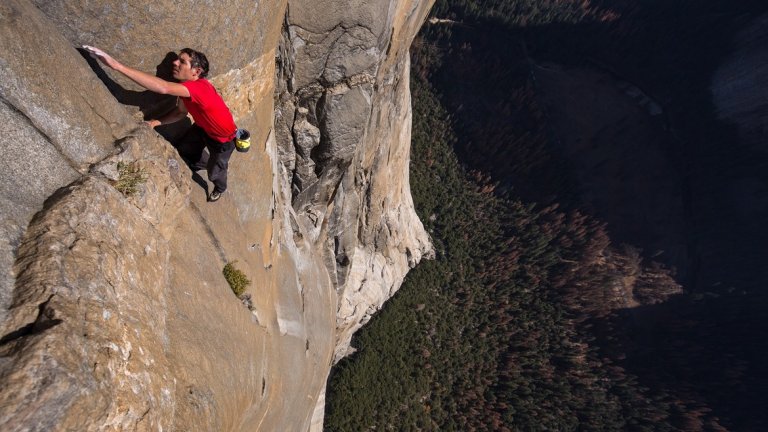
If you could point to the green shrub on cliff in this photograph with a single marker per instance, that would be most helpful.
(236, 279)
(130, 177)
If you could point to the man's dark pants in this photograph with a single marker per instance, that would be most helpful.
(191, 147)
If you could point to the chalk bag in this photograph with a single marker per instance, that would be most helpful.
(243, 140)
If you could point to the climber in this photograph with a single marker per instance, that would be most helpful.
(214, 127)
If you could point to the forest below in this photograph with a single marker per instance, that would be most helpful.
(561, 299)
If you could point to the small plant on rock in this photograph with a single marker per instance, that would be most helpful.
(236, 279)
(130, 177)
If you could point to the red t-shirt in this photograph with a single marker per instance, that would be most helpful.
(209, 110)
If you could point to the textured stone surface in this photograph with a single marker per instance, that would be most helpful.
(115, 314)
(140, 32)
(50, 132)
(83, 342)
(345, 73)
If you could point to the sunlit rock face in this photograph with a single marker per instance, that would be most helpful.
(343, 123)
(114, 314)
(343, 128)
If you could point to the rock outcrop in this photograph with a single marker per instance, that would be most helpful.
(343, 127)
(114, 314)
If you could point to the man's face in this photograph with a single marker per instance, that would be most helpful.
(183, 70)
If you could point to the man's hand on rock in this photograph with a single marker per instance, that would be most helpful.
(102, 56)
(153, 123)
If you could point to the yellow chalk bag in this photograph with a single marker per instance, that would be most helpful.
(243, 140)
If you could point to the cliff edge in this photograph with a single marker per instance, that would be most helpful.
(114, 314)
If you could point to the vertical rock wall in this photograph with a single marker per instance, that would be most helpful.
(114, 314)
(343, 127)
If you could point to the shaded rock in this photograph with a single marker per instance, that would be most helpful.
(354, 52)
(737, 86)
(307, 137)
(608, 132)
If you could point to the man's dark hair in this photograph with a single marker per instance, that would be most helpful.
(198, 60)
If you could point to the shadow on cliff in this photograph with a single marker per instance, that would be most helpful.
(152, 105)
(705, 346)
(505, 129)
(704, 352)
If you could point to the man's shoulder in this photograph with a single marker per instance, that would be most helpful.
(200, 89)
(199, 83)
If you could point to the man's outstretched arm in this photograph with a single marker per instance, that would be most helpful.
(149, 82)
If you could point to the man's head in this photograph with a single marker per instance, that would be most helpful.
(190, 65)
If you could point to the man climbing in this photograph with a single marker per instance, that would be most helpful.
(214, 127)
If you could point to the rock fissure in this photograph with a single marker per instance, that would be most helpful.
(345, 27)
(322, 32)
(200, 218)
(98, 113)
(44, 321)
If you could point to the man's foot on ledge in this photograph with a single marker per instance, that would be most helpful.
(214, 196)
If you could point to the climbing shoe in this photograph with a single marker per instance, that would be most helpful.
(215, 195)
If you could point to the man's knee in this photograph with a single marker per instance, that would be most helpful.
(217, 167)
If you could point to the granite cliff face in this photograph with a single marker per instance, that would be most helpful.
(114, 314)
(343, 128)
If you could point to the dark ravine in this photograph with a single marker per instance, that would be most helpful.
(685, 189)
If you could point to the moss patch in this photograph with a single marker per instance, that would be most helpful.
(236, 279)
